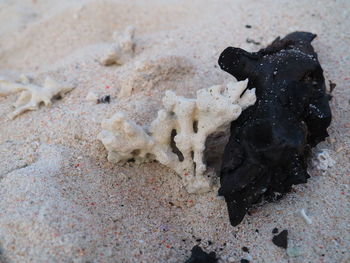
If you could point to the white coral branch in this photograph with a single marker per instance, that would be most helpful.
(122, 49)
(177, 136)
(31, 95)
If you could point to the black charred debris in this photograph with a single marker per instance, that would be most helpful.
(199, 256)
(281, 240)
(271, 140)
(104, 99)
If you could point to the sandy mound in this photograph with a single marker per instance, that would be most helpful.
(61, 201)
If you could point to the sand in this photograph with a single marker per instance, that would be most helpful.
(62, 201)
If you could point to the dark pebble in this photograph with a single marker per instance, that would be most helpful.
(281, 240)
(199, 256)
(104, 99)
(245, 249)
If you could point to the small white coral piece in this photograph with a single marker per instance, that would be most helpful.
(305, 217)
(31, 95)
(323, 160)
(176, 138)
(123, 48)
(92, 96)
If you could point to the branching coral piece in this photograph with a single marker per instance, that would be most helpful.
(176, 138)
(123, 48)
(31, 95)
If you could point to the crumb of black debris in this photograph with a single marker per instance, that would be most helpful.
(245, 249)
(275, 230)
(332, 86)
(198, 240)
(243, 260)
(281, 240)
(199, 256)
(209, 243)
(257, 230)
(248, 26)
(104, 99)
(252, 41)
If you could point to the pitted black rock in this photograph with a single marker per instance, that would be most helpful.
(271, 140)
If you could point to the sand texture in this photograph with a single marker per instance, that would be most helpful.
(62, 201)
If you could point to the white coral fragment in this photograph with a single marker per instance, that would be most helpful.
(323, 160)
(305, 217)
(176, 138)
(31, 95)
(122, 50)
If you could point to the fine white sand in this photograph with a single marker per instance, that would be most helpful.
(61, 201)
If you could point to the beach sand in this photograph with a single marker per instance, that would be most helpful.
(62, 201)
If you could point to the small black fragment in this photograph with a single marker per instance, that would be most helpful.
(104, 99)
(210, 243)
(243, 260)
(199, 256)
(252, 41)
(245, 249)
(332, 86)
(281, 240)
(248, 26)
(198, 240)
(275, 230)
(257, 230)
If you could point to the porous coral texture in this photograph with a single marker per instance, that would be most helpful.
(31, 95)
(176, 138)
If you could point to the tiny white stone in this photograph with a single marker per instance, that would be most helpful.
(92, 96)
(305, 217)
